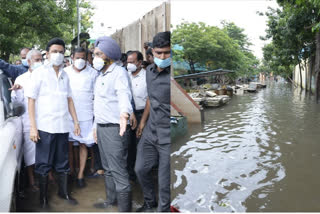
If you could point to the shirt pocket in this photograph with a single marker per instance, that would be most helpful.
(105, 89)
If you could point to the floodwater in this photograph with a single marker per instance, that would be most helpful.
(93, 193)
(260, 152)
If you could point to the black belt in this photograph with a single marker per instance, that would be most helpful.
(139, 111)
(108, 125)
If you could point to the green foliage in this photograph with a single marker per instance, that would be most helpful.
(32, 23)
(213, 47)
(292, 30)
(236, 33)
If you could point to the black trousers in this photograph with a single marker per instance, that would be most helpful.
(52, 152)
(132, 147)
(150, 154)
(97, 158)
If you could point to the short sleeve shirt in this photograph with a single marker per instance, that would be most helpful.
(51, 93)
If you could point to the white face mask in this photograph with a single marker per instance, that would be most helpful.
(56, 59)
(131, 67)
(79, 63)
(98, 63)
(36, 65)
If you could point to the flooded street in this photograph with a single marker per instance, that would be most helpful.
(94, 192)
(260, 152)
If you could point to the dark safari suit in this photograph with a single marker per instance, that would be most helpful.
(155, 143)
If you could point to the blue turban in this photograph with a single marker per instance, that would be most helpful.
(109, 47)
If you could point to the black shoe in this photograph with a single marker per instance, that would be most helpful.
(80, 182)
(68, 198)
(63, 189)
(148, 207)
(111, 194)
(104, 205)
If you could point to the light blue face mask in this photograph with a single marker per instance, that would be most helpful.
(162, 63)
(24, 62)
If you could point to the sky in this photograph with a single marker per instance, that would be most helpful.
(212, 12)
(116, 14)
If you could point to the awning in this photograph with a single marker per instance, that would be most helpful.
(219, 71)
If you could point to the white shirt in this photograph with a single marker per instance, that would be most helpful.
(82, 86)
(19, 96)
(51, 94)
(139, 89)
(112, 95)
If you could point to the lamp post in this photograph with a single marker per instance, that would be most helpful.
(78, 22)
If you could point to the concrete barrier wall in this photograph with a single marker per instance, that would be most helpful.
(185, 103)
(133, 36)
(308, 78)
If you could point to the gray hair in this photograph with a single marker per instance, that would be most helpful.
(32, 53)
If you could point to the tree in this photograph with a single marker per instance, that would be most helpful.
(236, 33)
(206, 45)
(294, 31)
(248, 62)
(34, 22)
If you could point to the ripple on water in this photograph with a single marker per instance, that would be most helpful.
(236, 154)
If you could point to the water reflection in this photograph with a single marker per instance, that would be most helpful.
(239, 157)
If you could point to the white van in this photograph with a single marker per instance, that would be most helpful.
(11, 138)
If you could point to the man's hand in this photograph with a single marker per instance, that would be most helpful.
(133, 121)
(140, 129)
(95, 138)
(15, 87)
(34, 135)
(123, 123)
(77, 129)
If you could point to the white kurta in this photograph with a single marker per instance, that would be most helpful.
(82, 86)
(19, 96)
(139, 89)
(29, 147)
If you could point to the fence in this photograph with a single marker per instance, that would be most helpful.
(133, 36)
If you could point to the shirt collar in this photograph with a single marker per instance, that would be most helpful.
(139, 74)
(50, 66)
(154, 69)
(110, 68)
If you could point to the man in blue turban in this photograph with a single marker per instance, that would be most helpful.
(112, 109)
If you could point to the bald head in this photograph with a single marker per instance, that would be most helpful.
(24, 52)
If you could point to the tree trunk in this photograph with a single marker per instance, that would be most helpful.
(317, 66)
(300, 75)
(305, 63)
(191, 64)
(311, 67)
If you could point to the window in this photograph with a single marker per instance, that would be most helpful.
(6, 96)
